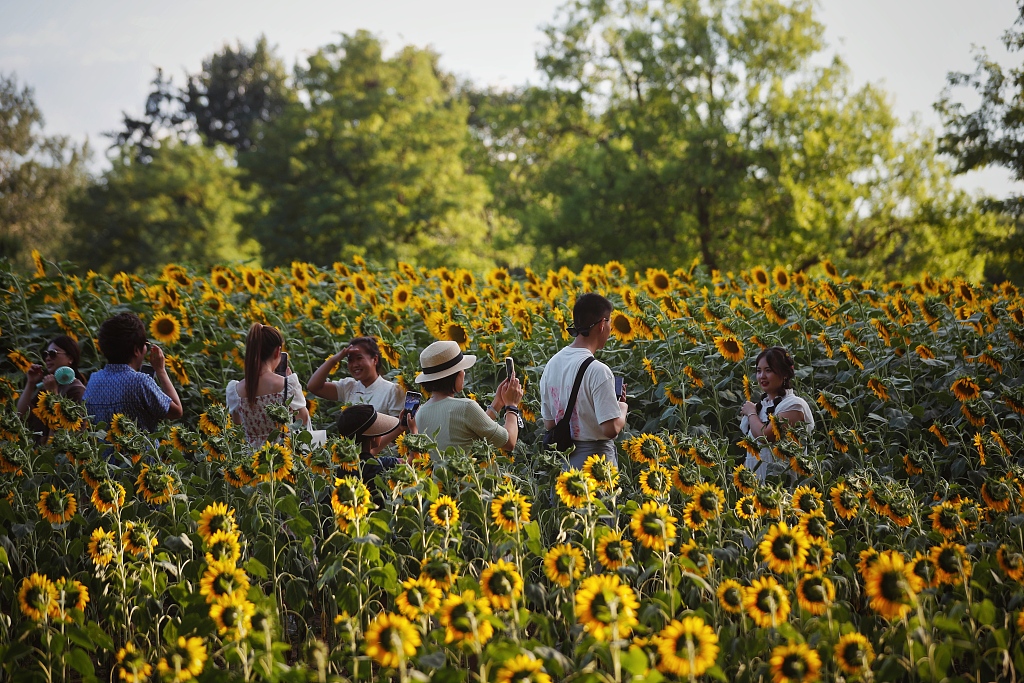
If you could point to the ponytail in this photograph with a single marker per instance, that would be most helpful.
(260, 345)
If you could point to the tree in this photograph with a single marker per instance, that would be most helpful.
(992, 135)
(36, 174)
(186, 205)
(237, 88)
(672, 129)
(369, 160)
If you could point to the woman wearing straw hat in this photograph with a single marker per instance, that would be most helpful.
(373, 431)
(461, 421)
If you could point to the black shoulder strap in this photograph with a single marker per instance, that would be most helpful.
(571, 405)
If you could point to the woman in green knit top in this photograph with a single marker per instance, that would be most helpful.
(461, 421)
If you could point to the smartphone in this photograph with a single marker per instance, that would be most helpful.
(148, 369)
(412, 401)
(282, 367)
(510, 367)
(412, 404)
(618, 387)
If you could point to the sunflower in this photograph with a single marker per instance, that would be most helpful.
(653, 526)
(420, 596)
(222, 579)
(891, 585)
(647, 448)
(57, 506)
(816, 526)
(687, 647)
(37, 597)
(878, 388)
(165, 328)
(766, 602)
(923, 567)
(155, 485)
(613, 551)
(815, 592)
(132, 666)
(233, 616)
(768, 502)
(700, 560)
(852, 355)
(806, 500)
(709, 500)
(575, 488)
(692, 517)
(952, 564)
(563, 564)
(794, 663)
(606, 607)
(784, 549)
(946, 519)
(730, 596)
(658, 281)
(965, 389)
(101, 547)
(391, 640)
(731, 348)
(216, 517)
(439, 568)
(827, 404)
(350, 499)
(746, 508)
(997, 495)
(1011, 562)
(510, 511)
(655, 482)
(502, 584)
(623, 326)
(602, 471)
(523, 669)
(183, 661)
(273, 461)
(744, 480)
(20, 360)
(444, 513)
(759, 277)
(674, 395)
(223, 546)
(845, 501)
(854, 654)
(464, 619)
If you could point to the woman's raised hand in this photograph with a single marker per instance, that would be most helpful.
(511, 392)
(35, 374)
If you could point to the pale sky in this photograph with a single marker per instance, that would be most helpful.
(89, 60)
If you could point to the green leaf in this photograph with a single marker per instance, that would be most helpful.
(79, 660)
(256, 568)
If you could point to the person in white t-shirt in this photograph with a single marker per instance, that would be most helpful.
(599, 415)
(775, 371)
(366, 385)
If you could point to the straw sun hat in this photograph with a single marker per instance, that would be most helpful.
(363, 421)
(442, 358)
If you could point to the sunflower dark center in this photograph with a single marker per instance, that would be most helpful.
(853, 655)
(794, 666)
(766, 601)
(949, 561)
(782, 547)
(891, 586)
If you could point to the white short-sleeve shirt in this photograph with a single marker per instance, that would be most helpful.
(787, 403)
(385, 397)
(596, 402)
(296, 399)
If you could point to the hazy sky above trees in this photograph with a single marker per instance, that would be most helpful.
(89, 61)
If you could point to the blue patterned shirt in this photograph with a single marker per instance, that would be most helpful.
(120, 388)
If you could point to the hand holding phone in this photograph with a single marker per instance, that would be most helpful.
(412, 404)
(510, 368)
(620, 388)
(282, 366)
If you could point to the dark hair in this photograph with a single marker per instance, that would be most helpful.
(354, 420)
(588, 311)
(260, 345)
(369, 344)
(445, 385)
(780, 362)
(121, 336)
(70, 347)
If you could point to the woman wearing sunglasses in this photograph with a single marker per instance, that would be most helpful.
(61, 352)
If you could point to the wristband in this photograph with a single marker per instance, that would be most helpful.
(513, 409)
(519, 415)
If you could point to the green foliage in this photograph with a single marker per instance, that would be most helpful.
(369, 161)
(668, 131)
(991, 136)
(185, 205)
(36, 174)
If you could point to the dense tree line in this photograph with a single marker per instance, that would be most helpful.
(662, 132)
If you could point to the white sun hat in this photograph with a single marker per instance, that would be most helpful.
(441, 359)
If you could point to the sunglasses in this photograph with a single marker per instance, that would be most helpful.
(50, 354)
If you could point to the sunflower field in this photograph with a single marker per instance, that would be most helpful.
(886, 544)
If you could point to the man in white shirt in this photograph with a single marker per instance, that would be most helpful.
(599, 415)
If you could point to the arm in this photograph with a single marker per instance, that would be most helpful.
(511, 393)
(32, 378)
(156, 359)
(318, 384)
(611, 428)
